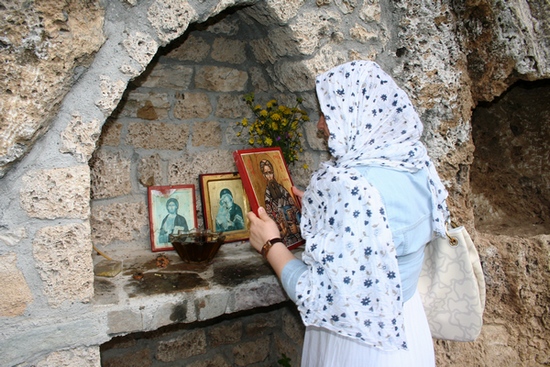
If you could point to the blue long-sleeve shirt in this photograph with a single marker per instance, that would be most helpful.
(407, 199)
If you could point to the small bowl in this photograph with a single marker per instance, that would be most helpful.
(197, 246)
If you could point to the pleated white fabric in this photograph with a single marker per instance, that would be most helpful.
(324, 348)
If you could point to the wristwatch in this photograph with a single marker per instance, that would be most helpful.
(268, 245)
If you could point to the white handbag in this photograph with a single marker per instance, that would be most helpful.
(452, 287)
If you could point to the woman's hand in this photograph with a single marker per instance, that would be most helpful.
(299, 193)
(262, 228)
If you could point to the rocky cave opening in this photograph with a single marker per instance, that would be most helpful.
(510, 176)
(174, 122)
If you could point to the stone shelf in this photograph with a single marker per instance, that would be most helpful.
(145, 297)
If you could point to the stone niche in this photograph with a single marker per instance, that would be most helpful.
(510, 197)
(511, 170)
(178, 120)
(175, 121)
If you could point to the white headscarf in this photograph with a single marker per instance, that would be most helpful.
(352, 285)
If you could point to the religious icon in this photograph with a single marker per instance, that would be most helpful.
(171, 211)
(267, 182)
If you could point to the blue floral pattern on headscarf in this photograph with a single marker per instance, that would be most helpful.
(352, 285)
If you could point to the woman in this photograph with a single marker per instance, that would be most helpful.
(366, 217)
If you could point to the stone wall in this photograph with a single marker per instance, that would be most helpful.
(178, 120)
(69, 64)
(260, 338)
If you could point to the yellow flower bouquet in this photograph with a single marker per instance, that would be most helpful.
(275, 125)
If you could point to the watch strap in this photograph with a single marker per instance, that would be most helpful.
(268, 244)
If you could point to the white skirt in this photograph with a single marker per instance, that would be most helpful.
(324, 348)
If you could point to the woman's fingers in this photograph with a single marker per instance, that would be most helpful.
(297, 192)
(262, 228)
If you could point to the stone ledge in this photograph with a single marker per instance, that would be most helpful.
(145, 297)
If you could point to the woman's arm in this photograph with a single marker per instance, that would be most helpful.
(262, 229)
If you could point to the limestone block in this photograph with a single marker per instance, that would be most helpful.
(304, 167)
(130, 70)
(189, 344)
(186, 170)
(263, 50)
(259, 82)
(246, 354)
(16, 294)
(11, 237)
(346, 6)
(370, 11)
(228, 26)
(274, 11)
(299, 76)
(292, 348)
(193, 49)
(111, 92)
(220, 79)
(150, 171)
(206, 134)
(170, 18)
(285, 43)
(168, 313)
(43, 45)
(304, 35)
(79, 138)
(231, 137)
(231, 106)
(167, 76)
(228, 50)
(64, 262)
(258, 296)
(141, 47)
(123, 321)
(80, 356)
(361, 55)
(292, 324)
(145, 105)
(148, 111)
(501, 350)
(259, 324)
(157, 135)
(110, 133)
(360, 34)
(105, 292)
(110, 175)
(142, 358)
(117, 221)
(225, 334)
(57, 193)
(192, 105)
(217, 361)
(211, 306)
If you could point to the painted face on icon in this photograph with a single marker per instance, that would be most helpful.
(226, 202)
(268, 173)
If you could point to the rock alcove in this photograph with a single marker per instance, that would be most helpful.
(510, 173)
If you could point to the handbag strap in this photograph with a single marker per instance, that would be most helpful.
(452, 240)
